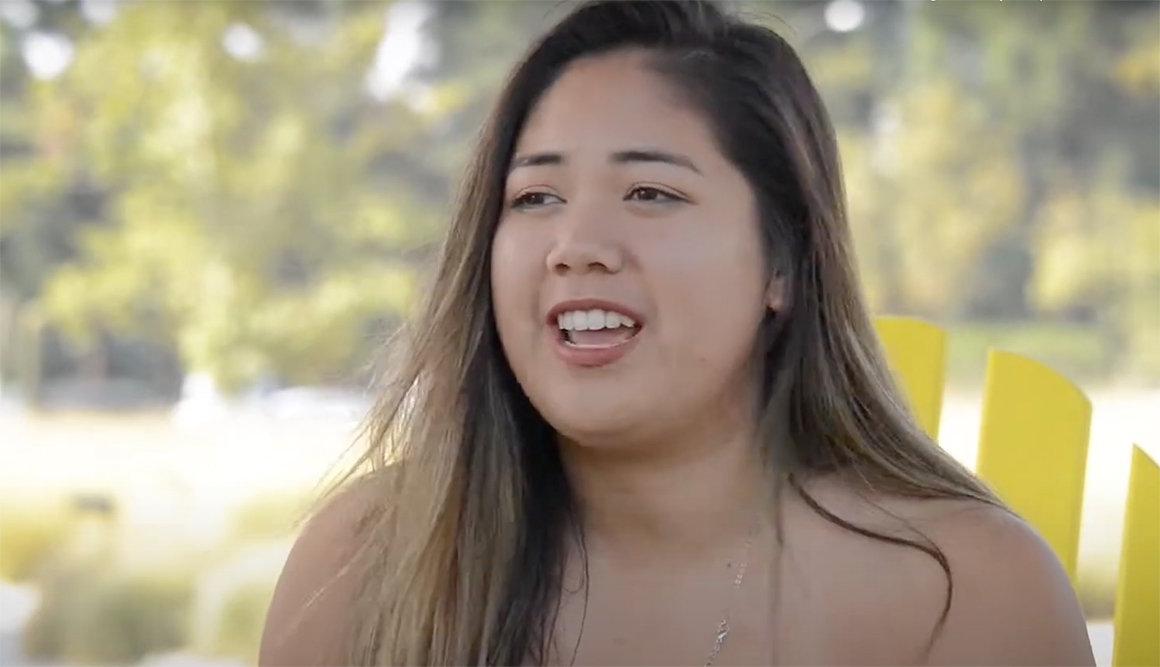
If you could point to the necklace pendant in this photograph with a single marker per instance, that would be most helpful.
(722, 633)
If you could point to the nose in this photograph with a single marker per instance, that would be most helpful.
(583, 244)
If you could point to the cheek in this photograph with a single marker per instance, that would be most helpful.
(711, 299)
(716, 274)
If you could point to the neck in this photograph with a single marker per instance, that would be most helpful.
(681, 498)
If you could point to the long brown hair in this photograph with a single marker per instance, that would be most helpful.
(460, 557)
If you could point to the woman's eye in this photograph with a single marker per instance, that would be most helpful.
(531, 199)
(652, 195)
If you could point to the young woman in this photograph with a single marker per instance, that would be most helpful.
(643, 417)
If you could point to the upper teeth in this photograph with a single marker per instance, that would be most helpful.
(589, 320)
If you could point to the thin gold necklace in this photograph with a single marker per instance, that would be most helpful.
(722, 627)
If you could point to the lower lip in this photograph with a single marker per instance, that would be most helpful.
(590, 357)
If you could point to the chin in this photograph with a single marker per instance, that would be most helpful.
(593, 422)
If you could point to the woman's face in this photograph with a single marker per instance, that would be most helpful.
(624, 223)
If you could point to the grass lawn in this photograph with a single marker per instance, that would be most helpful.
(221, 496)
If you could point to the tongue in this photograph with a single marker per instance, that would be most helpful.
(602, 336)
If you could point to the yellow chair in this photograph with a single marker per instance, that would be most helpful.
(916, 352)
(1137, 619)
(1033, 447)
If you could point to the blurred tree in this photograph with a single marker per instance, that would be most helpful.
(113, 617)
(1098, 260)
(258, 212)
(992, 176)
(252, 188)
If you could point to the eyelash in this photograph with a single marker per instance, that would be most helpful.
(519, 202)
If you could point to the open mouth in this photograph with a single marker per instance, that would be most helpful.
(595, 329)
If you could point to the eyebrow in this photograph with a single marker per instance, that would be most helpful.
(619, 157)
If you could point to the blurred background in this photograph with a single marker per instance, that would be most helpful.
(213, 212)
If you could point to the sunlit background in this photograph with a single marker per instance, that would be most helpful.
(213, 212)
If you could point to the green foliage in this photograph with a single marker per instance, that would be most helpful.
(238, 629)
(1076, 351)
(31, 533)
(956, 198)
(267, 218)
(1010, 180)
(1099, 260)
(246, 219)
(107, 600)
(114, 617)
(269, 516)
(234, 595)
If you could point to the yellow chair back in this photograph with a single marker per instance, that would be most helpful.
(916, 352)
(1033, 446)
(1137, 616)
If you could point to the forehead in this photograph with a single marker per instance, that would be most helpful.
(604, 103)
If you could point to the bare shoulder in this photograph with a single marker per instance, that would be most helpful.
(309, 611)
(1013, 603)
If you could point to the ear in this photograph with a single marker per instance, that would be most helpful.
(775, 292)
